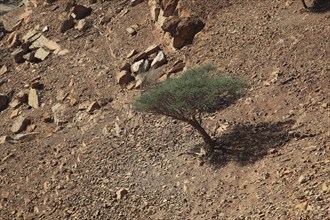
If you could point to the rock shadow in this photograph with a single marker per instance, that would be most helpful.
(247, 143)
(319, 6)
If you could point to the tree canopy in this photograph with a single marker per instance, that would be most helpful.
(186, 97)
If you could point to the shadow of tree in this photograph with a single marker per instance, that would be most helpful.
(248, 143)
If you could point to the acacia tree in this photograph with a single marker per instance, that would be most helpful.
(185, 98)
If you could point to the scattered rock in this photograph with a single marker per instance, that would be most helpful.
(121, 193)
(63, 52)
(20, 124)
(27, 136)
(33, 99)
(47, 117)
(3, 101)
(31, 33)
(136, 2)
(30, 57)
(129, 55)
(45, 29)
(3, 70)
(159, 60)
(152, 49)
(15, 113)
(41, 54)
(61, 95)
(82, 25)
(52, 45)
(302, 206)
(15, 103)
(124, 77)
(93, 106)
(303, 179)
(5, 139)
(81, 12)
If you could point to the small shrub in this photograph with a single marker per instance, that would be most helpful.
(186, 97)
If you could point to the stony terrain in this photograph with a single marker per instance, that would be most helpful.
(71, 147)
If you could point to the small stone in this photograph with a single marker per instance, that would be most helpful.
(28, 35)
(131, 31)
(47, 117)
(135, 2)
(31, 128)
(137, 66)
(15, 103)
(129, 55)
(33, 99)
(15, 113)
(63, 52)
(82, 25)
(303, 179)
(140, 56)
(302, 206)
(3, 70)
(3, 101)
(93, 106)
(61, 95)
(20, 124)
(83, 106)
(45, 29)
(18, 55)
(159, 60)
(121, 193)
(73, 102)
(41, 54)
(52, 45)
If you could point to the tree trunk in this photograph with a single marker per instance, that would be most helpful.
(206, 137)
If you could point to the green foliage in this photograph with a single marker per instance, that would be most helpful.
(188, 95)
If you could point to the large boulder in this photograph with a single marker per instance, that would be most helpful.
(183, 29)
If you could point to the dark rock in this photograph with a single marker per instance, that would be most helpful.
(3, 101)
(81, 11)
(67, 25)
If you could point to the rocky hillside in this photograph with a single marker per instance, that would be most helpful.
(71, 147)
